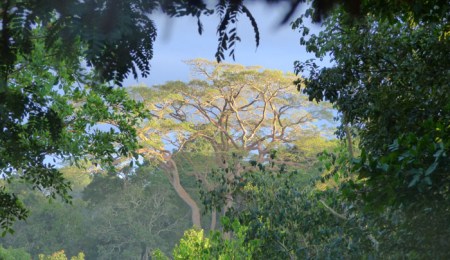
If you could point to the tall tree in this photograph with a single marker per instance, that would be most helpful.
(234, 109)
(48, 228)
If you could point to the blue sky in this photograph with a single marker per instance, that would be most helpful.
(178, 40)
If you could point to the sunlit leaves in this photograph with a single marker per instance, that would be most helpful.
(53, 108)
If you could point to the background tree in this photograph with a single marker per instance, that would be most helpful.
(61, 255)
(13, 254)
(130, 217)
(233, 109)
(48, 229)
(110, 216)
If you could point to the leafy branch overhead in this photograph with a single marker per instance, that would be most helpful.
(52, 108)
(119, 35)
(227, 29)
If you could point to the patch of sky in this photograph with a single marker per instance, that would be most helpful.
(178, 41)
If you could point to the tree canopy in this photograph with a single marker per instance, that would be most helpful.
(229, 109)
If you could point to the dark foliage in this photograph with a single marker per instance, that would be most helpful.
(389, 81)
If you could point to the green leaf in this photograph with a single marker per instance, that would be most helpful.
(431, 169)
(414, 181)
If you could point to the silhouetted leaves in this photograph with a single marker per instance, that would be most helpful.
(389, 80)
(227, 29)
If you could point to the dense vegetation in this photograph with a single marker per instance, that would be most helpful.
(233, 164)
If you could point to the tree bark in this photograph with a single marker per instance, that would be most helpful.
(213, 219)
(348, 134)
(145, 253)
(174, 178)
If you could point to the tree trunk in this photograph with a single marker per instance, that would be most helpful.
(174, 178)
(348, 134)
(213, 219)
(228, 205)
(145, 252)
